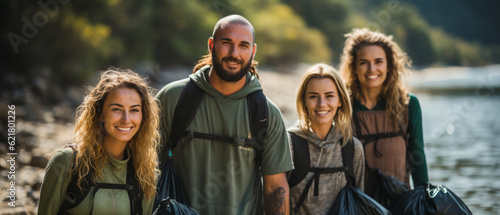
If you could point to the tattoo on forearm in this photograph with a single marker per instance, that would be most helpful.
(275, 202)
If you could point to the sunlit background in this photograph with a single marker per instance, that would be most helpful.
(51, 49)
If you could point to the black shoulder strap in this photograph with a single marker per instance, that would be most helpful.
(134, 190)
(74, 195)
(348, 160)
(184, 112)
(258, 116)
(368, 138)
(188, 104)
(357, 126)
(301, 160)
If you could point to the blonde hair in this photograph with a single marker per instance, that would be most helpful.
(394, 89)
(89, 134)
(342, 118)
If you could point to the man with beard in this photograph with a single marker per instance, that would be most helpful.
(218, 177)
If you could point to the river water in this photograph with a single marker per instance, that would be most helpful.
(461, 134)
(461, 122)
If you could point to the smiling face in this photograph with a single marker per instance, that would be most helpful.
(122, 115)
(322, 100)
(371, 67)
(232, 51)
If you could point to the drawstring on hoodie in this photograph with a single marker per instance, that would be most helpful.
(317, 164)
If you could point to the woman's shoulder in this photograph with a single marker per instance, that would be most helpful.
(414, 104)
(413, 99)
(62, 156)
(357, 144)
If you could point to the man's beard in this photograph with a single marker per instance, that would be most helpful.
(226, 75)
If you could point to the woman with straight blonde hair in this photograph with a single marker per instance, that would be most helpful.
(112, 167)
(323, 129)
(387, 119)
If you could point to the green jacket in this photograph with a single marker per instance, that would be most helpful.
(217, 177)
(106, 201)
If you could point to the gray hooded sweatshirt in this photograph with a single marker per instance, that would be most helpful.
(325, 153)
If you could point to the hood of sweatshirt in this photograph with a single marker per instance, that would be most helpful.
(200, 78)
(332, 137)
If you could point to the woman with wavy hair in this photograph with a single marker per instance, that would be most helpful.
(387, 119)
(324, 111)
(112, 167)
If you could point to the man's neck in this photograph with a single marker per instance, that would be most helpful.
(226, 88)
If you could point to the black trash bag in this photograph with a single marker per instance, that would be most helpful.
(351, 200)
(389, 189)
(168, 185)
(169, 206)
(430, 199)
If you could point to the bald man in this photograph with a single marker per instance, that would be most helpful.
(220, 177)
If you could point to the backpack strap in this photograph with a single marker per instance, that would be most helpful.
(259, 120)
(368, 138)
(134, 189)
(74, 196)
(348, 160)
(184, 112)
(187, 107)
(302, 161)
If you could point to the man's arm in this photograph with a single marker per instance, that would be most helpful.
(276, 194)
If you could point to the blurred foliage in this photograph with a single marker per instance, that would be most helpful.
(288, 39)
(329, 16)
(471, 20)
(74, 39)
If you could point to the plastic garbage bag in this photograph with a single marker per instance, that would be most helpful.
(351, 200)
(430, 199)
(169, 194)
(389, 189)
(168, 184)
(169, 206)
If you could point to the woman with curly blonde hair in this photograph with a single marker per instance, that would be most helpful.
(323, 129)
(387, 119)
(114, 157)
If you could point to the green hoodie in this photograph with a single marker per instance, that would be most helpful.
(217, 177)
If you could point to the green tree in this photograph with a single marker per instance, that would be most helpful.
(284, 38)
(181, 31)
(329, 16)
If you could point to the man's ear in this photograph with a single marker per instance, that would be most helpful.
(210, 44)
(254, 49)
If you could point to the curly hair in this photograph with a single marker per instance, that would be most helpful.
(89, 134)
(342, 118)
(395, 89)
